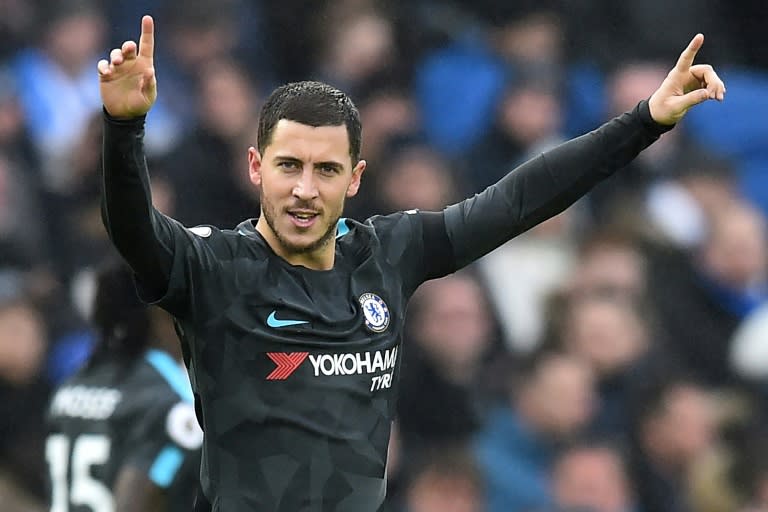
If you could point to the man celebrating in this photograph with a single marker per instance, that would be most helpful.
(291, 324)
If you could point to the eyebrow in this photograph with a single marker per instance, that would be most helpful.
(287, 159)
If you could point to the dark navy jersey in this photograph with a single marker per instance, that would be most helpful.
(295, 370)
(109, 417)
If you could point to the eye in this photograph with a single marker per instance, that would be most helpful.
(288, 165)
(329, 170)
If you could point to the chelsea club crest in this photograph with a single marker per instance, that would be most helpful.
(375, 311)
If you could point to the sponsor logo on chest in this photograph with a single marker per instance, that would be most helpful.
(359, 363)
(382, 362)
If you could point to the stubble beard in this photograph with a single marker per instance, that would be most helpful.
(269, 213)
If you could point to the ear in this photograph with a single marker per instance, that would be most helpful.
(254, 166)
(357, 174)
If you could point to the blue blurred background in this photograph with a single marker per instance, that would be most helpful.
(613, 359)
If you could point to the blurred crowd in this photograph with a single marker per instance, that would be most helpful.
(612, 359)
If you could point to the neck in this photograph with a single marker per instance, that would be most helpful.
(321, 258)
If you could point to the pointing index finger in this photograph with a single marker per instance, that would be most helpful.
(686, 58)
(147, 41)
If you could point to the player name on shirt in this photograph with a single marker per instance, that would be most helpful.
(91, 403)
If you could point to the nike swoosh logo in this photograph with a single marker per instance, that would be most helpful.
(274, 322)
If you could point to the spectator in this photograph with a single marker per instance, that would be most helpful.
(673, 429)
(392, 126)
(611, 334)
(682, 207)
(517, 36)
(15, 140)
(200, 32)
(610, 263)
(23, 393)
(528, 121)
(552, 402)
(75, 220)
(358, 49)
(388, 115)
(228, 108)
(416, 178)
(21, 228)
(17, 25)
(446, 481)
(702, 300)
(451, 331)
(59, 94)
(592, 477)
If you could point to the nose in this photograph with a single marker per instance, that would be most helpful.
(305, 187)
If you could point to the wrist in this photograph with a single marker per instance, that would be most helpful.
(122, 120)
(646, 113)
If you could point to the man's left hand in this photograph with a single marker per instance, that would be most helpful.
(686, 85)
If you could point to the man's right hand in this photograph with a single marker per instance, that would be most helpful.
(127, 81)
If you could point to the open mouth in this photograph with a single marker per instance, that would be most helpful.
(303, 218)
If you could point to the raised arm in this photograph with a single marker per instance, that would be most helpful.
(549, 183)
(140, 233)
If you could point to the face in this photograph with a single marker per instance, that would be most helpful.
(632, 83)
(561, 394)
(591, 478)
(22, 343)
(417, 180)
(433, 493)
(454, 327)
(75, 39)
(305, 174)
(606, 333)
(687, 427)
(227, 100)
(615, 268)
(530, 115)
(736, 252)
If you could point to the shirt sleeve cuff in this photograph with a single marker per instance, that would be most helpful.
(124, 121)
(644, 110)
